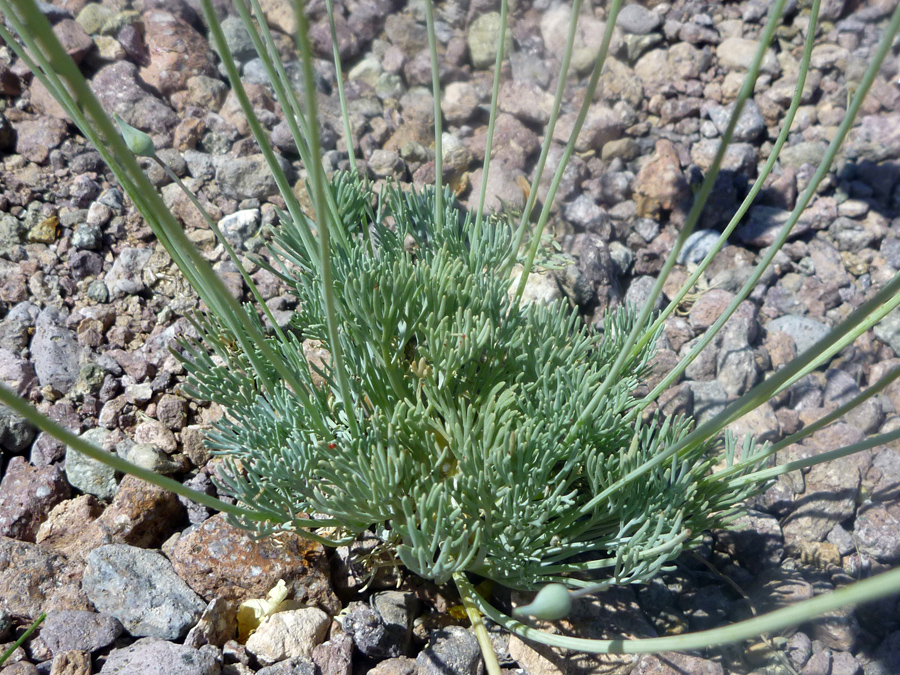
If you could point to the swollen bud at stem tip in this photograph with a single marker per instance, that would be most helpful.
(552, 602)
(137, 141)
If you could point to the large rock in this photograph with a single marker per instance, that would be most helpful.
(140, 589)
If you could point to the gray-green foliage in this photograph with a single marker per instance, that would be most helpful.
(466, 402)
(469, 431)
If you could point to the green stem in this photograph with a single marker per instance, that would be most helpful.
(345, 116)
(489, 141)
(745, 206)
(694, 214)
(548, 137)
(323, 221)
(860, 592)
(438, 127)
(481, 634)
(569, 149)
(27, 634)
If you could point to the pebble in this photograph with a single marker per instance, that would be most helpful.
(89, 475)
(451, 651)
(27, 494)
(126, 275)
(154, 656)
(55, 351)
(482, 40)
(288, 635)
(139, 588)
(803, 330)
(639, 20)
(247, 177)
(65, 630)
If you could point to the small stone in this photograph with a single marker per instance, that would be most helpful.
(387, 164)
(877, 531)
(482, 39)
(750, 125)
(171, 410)
(804, 331)
(334, 657)
(16, 433)
(27, 494)
(98, 291)
(65, 630)
(638, 20)
(459, 103)
(736, 53)
(152, 656)
(451, 651)
(126, 275)
(89, 475)
(248, 177)
(45, 232)
(240, 226)
(289, 634)
(660, 184)
(140, 589)
(88, 237)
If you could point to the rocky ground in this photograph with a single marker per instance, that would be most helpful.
(136, 581)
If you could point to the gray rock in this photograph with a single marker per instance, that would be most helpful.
(638, 20)
(697, 246)
(736, 369)
(55, 351)
(735, 53)
(87, 236)
(200, 165)
(75, 629)
(119, 89)
(151, 656)
(452, 651)
(387, 164)
(370, 634)
(585, 213)
(710, 398)
(126, 275)
(750, 125)
(89, 475)
(877, 531)
(805, 331)
(16, 433)
(248, 177)
(806, 152)
(140, 588)
(15, 328)
(876, 138)
(98, 291)
(296, 666)
(888, 330)
(238, 39)
(12, 232)
(639, 292)
(240, 226)
(334, 657)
